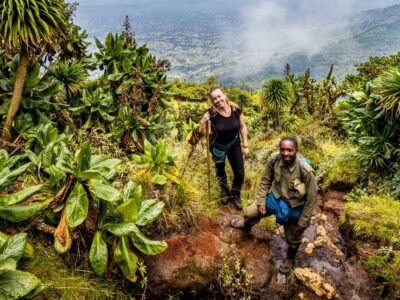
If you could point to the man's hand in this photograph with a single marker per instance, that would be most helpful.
(299, 227)
(261, 209)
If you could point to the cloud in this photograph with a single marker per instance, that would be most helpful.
(268, 30)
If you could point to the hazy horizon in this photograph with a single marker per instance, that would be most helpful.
(247, 36)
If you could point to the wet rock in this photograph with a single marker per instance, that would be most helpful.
(192, 262)
(316, 283)
(309, 249)
(323, 240)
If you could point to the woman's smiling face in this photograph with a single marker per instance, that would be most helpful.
(218, 98)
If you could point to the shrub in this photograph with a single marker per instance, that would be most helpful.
(373, 218)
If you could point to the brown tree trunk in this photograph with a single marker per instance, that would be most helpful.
(17, 94)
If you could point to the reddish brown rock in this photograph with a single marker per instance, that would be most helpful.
(192, 262)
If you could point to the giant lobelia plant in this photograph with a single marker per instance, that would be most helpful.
(123, 222)
(88, 184)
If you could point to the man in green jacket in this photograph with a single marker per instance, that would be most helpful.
(288, 189)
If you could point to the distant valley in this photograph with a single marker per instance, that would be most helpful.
(192, 38)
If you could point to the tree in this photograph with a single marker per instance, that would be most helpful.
(388, 87)
(32, 28)
(276, 93)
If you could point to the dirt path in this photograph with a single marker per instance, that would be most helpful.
(326, 264)
(324, 252)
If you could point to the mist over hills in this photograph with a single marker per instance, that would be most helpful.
(235, 41)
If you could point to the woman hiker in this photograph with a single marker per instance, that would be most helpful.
(228, 138)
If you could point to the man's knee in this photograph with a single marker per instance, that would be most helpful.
(251, 210)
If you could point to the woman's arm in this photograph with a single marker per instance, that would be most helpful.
(243, 135)
(204, 129)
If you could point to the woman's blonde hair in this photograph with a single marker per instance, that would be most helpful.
(233, 105)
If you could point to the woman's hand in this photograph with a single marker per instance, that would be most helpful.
(205, 118)
(245, 151)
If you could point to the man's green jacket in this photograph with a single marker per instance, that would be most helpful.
(290, 184)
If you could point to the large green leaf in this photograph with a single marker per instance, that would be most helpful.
(8, 178)
(145, 245)
(120, 229)
(38, 290)
(77, 206)
(149, 211)
(132, 197)
(103, 191)
(126, 259)
(28, 252)
(16, 284)
(98, 255)
(67, 167)
(18, 213)
(7, 265)
(106, 167)
(14, 247)
(83, 157)
(128, 210)
(89, 174)
(159, 179)
(127, 192)
(19, 196)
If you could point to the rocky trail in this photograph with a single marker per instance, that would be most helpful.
(215, 260)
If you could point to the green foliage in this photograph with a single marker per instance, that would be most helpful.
(159, 162)
(45, 146)
(72, 75)
(276, 94)
(10, 204)
(188, 91)
(239, 96)
(373, 68)
(96, 107)
(68, 279)
(74, 46)
(233, 280)
(32, 24)
(388, 87)
(36, 95)
(373, 218)
(393, 183)
(374, 128)
(15, 284)
(385, 266)
(356, 194)
(341, 169)
(129, 213)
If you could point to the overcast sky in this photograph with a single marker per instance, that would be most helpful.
(358, 4)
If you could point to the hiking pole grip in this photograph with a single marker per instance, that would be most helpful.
(208, 158)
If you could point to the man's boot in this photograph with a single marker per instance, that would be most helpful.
(235, 198)
(239, 223)
(288, 264)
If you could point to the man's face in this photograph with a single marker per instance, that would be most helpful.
(218, 98)
(287, 151)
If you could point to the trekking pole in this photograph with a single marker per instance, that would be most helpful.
(208, 159)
